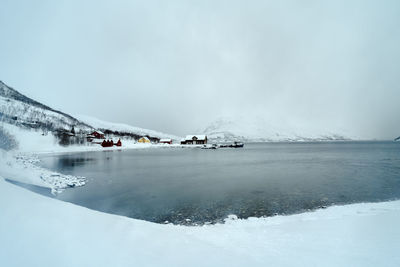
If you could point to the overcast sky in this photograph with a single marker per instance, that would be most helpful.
(175, 66)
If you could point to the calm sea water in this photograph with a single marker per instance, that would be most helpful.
(196, 186)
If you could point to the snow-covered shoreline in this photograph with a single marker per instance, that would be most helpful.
(24, 168)
(49, 232)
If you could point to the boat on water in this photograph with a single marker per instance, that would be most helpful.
(236, 145)
(233, 145)
(215, 146)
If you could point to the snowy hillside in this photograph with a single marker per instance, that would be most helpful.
(28, 115)
(23, 111)
(257, 129)
(120, 127)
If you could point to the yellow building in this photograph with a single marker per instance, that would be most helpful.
(144, 139)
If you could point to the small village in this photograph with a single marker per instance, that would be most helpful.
(99, 137)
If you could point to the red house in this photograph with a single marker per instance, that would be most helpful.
(166, 141)
(107, 143)
(98, 134)
(119, 143)
(110, 143)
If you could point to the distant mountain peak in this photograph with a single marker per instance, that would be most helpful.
(260, 129)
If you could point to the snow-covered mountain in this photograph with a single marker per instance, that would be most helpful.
(258, 129)
(21, 112)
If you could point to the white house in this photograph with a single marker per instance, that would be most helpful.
(194, 140)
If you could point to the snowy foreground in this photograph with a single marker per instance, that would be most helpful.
(40, 231)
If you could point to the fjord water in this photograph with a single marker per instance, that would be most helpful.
(195, 186)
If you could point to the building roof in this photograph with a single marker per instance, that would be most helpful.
(99, 132)
(165, 140)
(199, 137)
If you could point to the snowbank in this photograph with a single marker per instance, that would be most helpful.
(40, 231)
(24, 169)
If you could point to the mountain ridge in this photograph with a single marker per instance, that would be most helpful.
(258, 129)
(9, 92)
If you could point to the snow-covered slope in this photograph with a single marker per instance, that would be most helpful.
(121, 127)
(23, 111)
(28, 114)
(258, 129)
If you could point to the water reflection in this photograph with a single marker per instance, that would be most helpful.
(195, 186)
(73, 162)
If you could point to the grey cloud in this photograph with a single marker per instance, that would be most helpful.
(177, 65)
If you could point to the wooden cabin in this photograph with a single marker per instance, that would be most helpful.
(107, 143)
(144, 140)
(119, 143)
(110, 143)
(97, 135)
(166, 141)
(194, 140)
